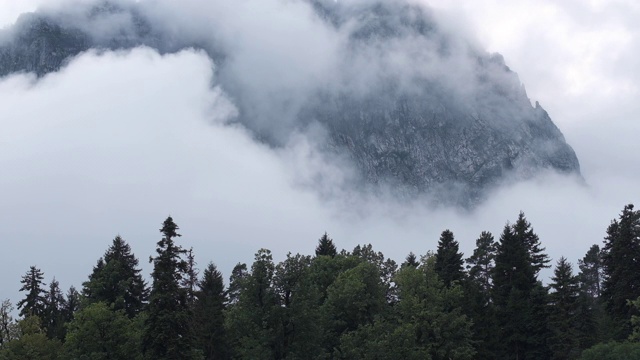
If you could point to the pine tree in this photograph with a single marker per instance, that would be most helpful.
(591, 272)
(34, 302)
(621, 263)
(116, 280)
(564, 311)
(236, 281)
(190, 280)
(449, 262)
(167, 333)
(326, 247)
(71, 304)
(209, 315)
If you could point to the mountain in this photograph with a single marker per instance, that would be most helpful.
(415, 106)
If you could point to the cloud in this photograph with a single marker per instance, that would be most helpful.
(116, 141)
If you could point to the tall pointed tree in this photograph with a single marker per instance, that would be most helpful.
(564, 312)
(167, 334)
(480, 264)
(34, 301)
(621, 263)
(208, 312)
(590, 275)
(53, 318)
(326, 247)
(116, 280)
(449, 262)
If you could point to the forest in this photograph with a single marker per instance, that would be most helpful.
(342, 304)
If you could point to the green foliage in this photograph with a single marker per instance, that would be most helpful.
(116, 280)
(34, 301)
(208, 315)
(563, 318)
(53, 317)
(8, 327)
(33, 343)
(613, 351)
(621, 261)
(100, 332)
(326, 247)
(167, 334)
(449, 262)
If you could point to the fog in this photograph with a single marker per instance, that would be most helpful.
(117, 141)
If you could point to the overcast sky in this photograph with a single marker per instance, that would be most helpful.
(116, 142)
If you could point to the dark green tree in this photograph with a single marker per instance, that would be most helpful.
(449, 262)
(190, 279)
(53, 317)
(32, 343)
(209, 331)
(116, 280)
(563, 319)
(8, 327)
(621, 264)
(167, 334)
(34, 301)
(71, 304)
(477, 290)
(519, 299)
(411, 260)
(593, 324)
(326, 247)
(591, 269)
(238, 275)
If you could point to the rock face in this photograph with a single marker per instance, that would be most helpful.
(429, 113)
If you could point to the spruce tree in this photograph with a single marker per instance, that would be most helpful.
(326, 247)
(590, 275)
(34, 301)
(621, 263)
(236, 282)
(411, 260)
(480, 264)
(208, 314)
(563, 319)
(190, 280)
(53, 317)
(519, 298)
(116, 280)
(167, 334)
(449, 262)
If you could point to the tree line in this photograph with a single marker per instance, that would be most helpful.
(342, 304)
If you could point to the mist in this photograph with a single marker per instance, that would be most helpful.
(118, 140)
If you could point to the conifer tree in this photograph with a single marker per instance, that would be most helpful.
(449, 262)
(621, 263)
(167, 334)
(236, 280)
(34, 301)
(480, 264)
(190, 280)
(326, 247)
(564, 312)
(590, 275)
(53, 318)
(411, 260)
(71, 304)
(116, 280)
(208, 312)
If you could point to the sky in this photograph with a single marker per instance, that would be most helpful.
(116, 142)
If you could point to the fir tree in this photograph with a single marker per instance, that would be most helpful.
(209, 315)
(71, 304)
(167, 333)
(590, 275)
(34, 302)
(480, 264)
(190, 280)
(116, 280)
(326, 247)
(236, 282)
(621, 263)
(449, 262)
(53, 318)
(564, 311)
(411, 260)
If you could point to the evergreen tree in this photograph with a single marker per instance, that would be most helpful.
(71, 304)
(167, 333)
(411, 260)
(8, 328)
(34, 302)
(53, 318)
(449, 262)
(621, 263)
(480, 264)
(477, 290)
(326, 247)
(238, 276)
(592, 322)
(519, 299)
(564, 311)
(116, 280)
(190, 280)
(208, 313)
(591, 272)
